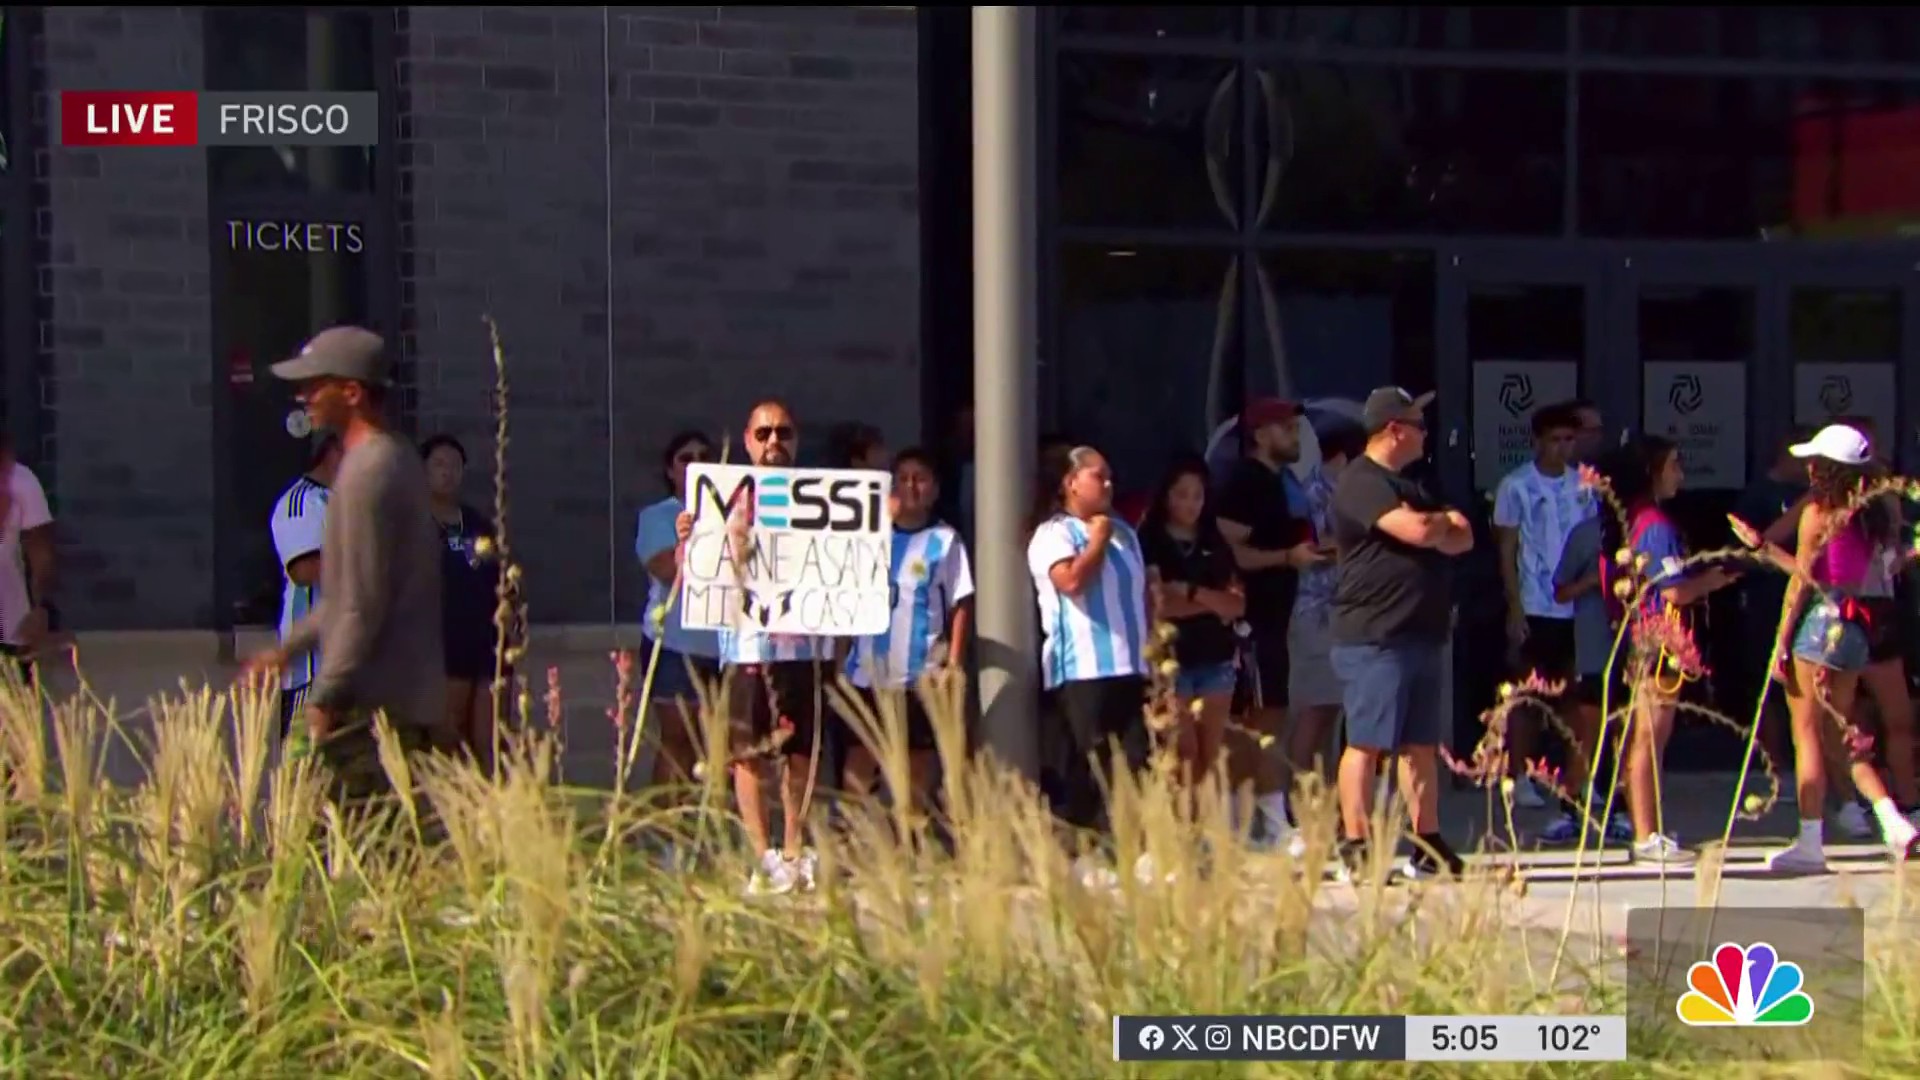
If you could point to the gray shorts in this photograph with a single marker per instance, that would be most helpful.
(1311, 680)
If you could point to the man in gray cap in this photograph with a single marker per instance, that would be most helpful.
(377, 623)
(1391, 616)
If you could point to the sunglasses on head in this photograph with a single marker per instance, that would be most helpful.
(769, 433)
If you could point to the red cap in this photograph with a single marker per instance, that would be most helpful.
(1263, 411)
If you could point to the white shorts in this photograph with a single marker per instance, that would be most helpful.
(1310, 678)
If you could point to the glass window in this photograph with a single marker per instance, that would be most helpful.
(1843, 325)
(1348, 321)
(1150, 141)
(272, 301)
(1687, 156)
(1681, 323)
(1795, 34)
(1368, 149)
(1488, 29)
(290, 49)
(1147, 339)
(1153, 22)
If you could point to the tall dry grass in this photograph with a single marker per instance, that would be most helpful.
(218, 918)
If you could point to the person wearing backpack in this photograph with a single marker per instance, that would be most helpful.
(1662, 656)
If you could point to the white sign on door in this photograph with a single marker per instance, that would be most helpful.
(1702, 407)
(1823, 393)
(1506, 393)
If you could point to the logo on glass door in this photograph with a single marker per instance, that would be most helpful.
(1836, 394)
(1685, 394)
(1516, 393)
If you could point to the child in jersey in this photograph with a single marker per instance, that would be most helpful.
(932, 608)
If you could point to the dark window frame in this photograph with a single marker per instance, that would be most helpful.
(20, 247)
(378, 211)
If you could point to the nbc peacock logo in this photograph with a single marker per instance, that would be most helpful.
(1743, 987)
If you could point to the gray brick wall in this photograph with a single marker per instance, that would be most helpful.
(128, 341)
(764, 240)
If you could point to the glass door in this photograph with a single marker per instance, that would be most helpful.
(1845, 332)
(1515, 329)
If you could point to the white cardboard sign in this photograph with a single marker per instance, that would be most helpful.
(788, 551)
(1506, 394)
(1702, 407)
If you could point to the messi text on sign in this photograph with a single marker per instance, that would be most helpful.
(788, 551)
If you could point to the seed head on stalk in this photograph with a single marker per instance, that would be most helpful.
(509, 613)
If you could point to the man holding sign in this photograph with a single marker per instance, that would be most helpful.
(780, 561)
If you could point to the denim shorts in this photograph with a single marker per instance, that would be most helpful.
(1392, 694)
(1827, 637)
(1207, 679)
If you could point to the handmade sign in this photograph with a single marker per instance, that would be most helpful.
(787, 551)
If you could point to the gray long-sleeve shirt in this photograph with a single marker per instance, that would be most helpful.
(377, 625)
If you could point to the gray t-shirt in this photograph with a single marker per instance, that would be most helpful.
(1592, 635)
(378, 622)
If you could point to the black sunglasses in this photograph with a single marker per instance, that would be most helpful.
(1418, 424)
(782, 432)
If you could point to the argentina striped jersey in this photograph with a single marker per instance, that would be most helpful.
(1101, 633)
(299, 520)
(930, 577)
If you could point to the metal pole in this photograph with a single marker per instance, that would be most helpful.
(1005, 376)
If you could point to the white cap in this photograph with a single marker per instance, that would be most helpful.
(1835, 442)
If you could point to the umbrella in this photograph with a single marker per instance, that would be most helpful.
(1323, 415)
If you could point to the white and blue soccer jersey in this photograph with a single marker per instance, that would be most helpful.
(299, 522)
(931, 576)
(1101, 633)
(760, 647)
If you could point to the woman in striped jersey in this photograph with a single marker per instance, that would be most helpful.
(932, 608)
(1091, 581)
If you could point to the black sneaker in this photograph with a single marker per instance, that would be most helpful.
(1434, 858)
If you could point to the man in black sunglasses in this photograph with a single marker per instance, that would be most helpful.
(1392, 614)
(776, 681)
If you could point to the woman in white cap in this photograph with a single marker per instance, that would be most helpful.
(1825, 635)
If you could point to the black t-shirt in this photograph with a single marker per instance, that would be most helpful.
(1206, 562)
(1256, 496)
(1387, 591)
(468, 596)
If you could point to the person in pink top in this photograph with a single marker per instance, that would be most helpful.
(1825, 637)
(26, 560)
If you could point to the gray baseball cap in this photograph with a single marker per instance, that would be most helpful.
(343, 352)
(1390, 403)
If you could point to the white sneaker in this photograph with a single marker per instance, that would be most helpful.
(1527, 796)
(805, 868)
(1899, 836)
(1661, 851)
(1797, 858)
(1296, 845)
(1853, 822)
(772, 877)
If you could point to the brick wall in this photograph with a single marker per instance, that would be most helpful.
(128, 342)
(764, 240)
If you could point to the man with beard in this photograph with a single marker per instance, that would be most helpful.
(775, 680)
(377, 624)
(1263, 515)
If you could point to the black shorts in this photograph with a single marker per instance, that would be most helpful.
(793, 690)
(1265, 670)
(919, 724)
(1549, 648)
(1884, 640)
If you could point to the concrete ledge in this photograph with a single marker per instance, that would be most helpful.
(205, 646)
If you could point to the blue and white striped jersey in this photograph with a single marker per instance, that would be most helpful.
(1102, 633)
(299, 521)
(930, 577)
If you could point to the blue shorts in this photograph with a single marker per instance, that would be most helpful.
(673, 678)
(1197, 682)
(1391, 694)
(1827, 637)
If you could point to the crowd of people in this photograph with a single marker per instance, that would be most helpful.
(1301, 599)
